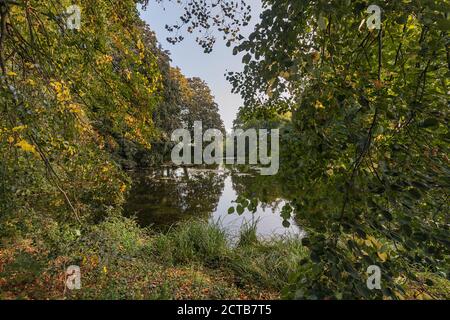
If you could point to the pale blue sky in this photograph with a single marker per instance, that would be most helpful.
(189, 56)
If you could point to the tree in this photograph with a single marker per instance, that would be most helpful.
(66, 95)
(199, 105)
(368, 143)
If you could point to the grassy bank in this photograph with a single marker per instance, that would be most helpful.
(194, 260)
(119, 260)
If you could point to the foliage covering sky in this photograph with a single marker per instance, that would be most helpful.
(189, 56)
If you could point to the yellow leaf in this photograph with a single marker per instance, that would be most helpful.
(74, 108)
(285, 75)
(140, 45)
(11, 73)
(105, 270)
(382, 255)
(319, 105)
(19, 128)
(128, 74)
(25, 146)
(315, 56)
(374, 241)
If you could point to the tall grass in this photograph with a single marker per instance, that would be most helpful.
(120, 260)
(266, 263)
(247, 234)
(192, 242)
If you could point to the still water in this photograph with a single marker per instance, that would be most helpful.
(165, 196)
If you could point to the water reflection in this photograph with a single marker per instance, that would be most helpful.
(162, 197)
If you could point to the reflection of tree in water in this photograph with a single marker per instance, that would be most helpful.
(273, 192)
(166, 196)
(266, 189)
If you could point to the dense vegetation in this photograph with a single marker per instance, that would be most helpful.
(77, 103)
(78, 107)
(364, 153)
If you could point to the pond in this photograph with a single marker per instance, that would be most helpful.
(164, 196)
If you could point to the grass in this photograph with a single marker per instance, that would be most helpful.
(119, 260)
(193, 260)
(247, 234)
(192, 242)
(265, 264)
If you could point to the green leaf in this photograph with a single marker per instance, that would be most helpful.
(430, 122)
(285, 215)
(443, 24)
(246, 58)
(415, 193)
